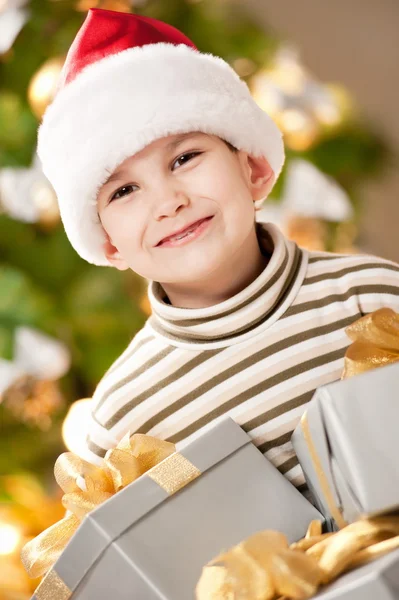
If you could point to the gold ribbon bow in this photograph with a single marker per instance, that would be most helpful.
(375, 340)
(86, 486)
(265, 567)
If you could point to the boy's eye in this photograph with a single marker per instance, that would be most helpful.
(123, 191)
(127, 189)
(186, 157)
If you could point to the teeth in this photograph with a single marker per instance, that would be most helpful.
(179, 237)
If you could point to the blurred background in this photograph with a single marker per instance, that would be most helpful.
(327, 74)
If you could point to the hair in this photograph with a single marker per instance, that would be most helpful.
(230, 146)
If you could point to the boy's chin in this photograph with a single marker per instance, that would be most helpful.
(194, 276)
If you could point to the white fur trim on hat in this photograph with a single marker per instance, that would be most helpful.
(120, 104)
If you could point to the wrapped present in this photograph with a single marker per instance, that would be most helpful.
(151, 538)
(322, 566)
(375, 581)
(348, 445)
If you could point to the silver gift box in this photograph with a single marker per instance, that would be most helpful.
(348, 445)
(378, 580)
(148, 544)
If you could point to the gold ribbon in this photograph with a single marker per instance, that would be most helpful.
(265, 567)
(86, 486)
(321, 476)
(375, 342)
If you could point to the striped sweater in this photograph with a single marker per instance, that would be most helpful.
(257, 357)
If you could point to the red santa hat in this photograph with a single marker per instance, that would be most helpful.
(127, 81)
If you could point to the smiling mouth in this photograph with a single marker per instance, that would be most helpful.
(191, 233)
(185, 232)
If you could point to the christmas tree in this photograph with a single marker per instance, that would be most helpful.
(64, 321)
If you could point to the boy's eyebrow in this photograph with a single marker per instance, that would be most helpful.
(113, 176)
(181, 138)
(171, 146)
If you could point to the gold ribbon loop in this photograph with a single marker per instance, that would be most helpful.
(375, 340)
(39, 554)
(81, 503)
(264, 567)
(86, 486)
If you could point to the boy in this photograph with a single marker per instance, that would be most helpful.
(147, 137)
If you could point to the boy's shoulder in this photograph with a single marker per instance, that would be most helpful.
(369, 280)
(336, 264)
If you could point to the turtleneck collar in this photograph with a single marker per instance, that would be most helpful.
(245, 314)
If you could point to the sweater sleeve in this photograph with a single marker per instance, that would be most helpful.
(97, 441)
(98, 438)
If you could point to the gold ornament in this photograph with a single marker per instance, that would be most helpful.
(29, 511)
(45, 200)
(302, 107)
(243, 66)
(145, 305)
(43, 84)
(116, 5)
(301, 130)
(33, 401)
(345, 237)
(307, 232)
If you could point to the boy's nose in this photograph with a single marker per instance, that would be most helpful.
(169, 204)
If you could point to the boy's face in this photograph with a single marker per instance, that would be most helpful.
(170, 184)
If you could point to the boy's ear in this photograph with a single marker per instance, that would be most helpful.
(113, 255)
(261, 176)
